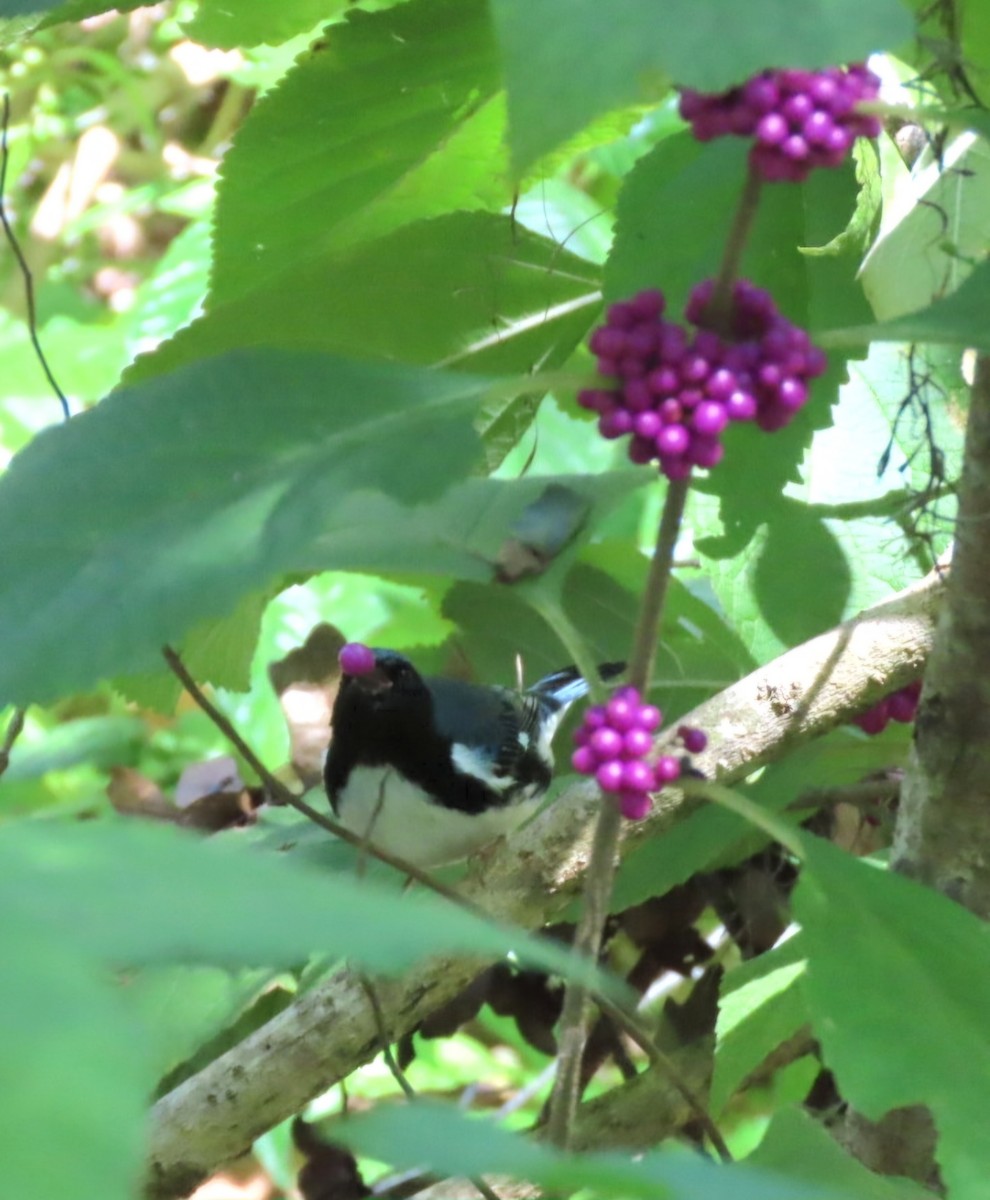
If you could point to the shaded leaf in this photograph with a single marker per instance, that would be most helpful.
(760, 1007)
(541, 532)
(796, 1145)
(958, 320)
(450, 1142)
(102, 567)
(75, 1073)
(636, 47)
(95, 877)
(871, 936)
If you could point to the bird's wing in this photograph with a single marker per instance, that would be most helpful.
(491, 729)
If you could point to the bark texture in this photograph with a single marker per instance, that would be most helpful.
(943, 829)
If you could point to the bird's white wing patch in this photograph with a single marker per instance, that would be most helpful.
(472, 762)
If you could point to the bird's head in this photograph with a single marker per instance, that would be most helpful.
(390, 684)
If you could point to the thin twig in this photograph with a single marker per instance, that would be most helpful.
(283, 795)
(383, 1036)
(22, 262)
(397, 1072)
(662, 1062)
(601, 864)
(866, 795)
(646, 637)
(13, 733)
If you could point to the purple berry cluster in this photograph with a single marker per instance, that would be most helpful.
(799, 119)
(676, 392)
(612, 745)
(900, 706)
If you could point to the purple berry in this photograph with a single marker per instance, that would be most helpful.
(706, 452)
(710, 418)
(621, 315)
(792, 394)
(641, 451)
(649, 718)
(621, 713)
(874, 720)
(817, 128)
(741, 406)
(797, 108)
(637, 776)
(637, 742)
(583, 759)
(609, 776)
(665, 770)
(616, 424)
(648, 304)
(694, 740)
(673, 440)
(902, 707)
(356, 659)
(595, 718)
(606, 743)
(634, 805)
(647, 425)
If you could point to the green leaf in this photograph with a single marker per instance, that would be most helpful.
(216, 23)
(102, 742)
(635, 47)
(182, 1007)
(223, 476)
(171, 296)
(135, 893)
(897, 981)
(796, 604)
(797, 1146)
(448, 1141)
(390, 119)
(74, 1076)
(470, 291)
(758, 1011)
(958, 320)
(928, 247)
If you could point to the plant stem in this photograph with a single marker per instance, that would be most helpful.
(13, 733)
(601, 863)
(719, 307)
(644, 647)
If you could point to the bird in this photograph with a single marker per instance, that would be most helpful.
(431, 769)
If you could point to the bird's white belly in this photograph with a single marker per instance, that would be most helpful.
(402, 821)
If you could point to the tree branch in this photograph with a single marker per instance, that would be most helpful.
(328, 1032)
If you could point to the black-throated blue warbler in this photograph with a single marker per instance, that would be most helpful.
(432, 769)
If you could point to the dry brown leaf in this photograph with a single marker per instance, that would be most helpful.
(306, 683)
(136, 795)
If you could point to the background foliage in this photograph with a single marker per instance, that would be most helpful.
(316, 279)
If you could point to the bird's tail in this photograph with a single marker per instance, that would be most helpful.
(555, 692)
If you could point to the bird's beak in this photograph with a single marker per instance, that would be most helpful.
(374, 682)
